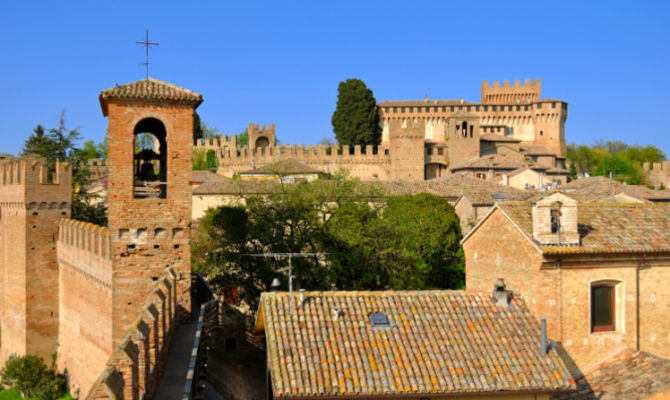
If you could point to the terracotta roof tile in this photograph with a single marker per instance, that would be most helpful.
(493, 161)
(492, 137)
(629, 375)
(606, 227)
(437, 342)
(236, 187)
(537, 151)
(149, 89)
(600, 188)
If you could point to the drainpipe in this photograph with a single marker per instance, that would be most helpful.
(560, 301)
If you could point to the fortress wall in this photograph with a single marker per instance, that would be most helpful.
(32, 200)
(659, 173)
(85, 285)
(134, 367)
(517, 93)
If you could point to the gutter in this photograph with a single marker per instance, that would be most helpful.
(422, 395)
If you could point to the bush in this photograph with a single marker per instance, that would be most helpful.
(30, 376)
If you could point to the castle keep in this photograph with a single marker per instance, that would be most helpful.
(106, 300)
(421, 139)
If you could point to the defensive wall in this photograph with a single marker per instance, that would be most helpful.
(32, 201)
(85, 286)
(135, 366)
(659, 173)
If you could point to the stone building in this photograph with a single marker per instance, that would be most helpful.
(420, 139)
(595, 270)
(105, 300)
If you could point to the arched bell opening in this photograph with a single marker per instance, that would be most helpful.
(150, 159)
(262, 142)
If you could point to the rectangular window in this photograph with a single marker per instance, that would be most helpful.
(452, 108)
(480, 175)
(468, 108)
(386, 110)
(539, 105)
(411, 109)
(493, 108)
(518, 108)
(525, 108)
(486, 108)
(602, 308)
(509, 108)
(395, 109)
(434, 108)
(477, 108)
(460, 108)
(429, 151)
(402, 109)
(553, 105)
(418, 109)
(444, 108)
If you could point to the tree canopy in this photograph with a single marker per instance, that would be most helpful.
(356, 118)
(372, 240)
(623, 160)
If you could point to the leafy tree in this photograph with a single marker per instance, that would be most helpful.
(373, 241)
(30, 376)
(212, 162)
(243, 138)
(199, 159)
(622, 169)
(356, 118)
(197, 130)
(201, 130)
(59, 144)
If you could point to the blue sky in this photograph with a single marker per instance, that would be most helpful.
(281, 62)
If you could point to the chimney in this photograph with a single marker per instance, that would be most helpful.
(543, 340)
(301, 296)
(274, 286)
(337, 314)
(501, 296)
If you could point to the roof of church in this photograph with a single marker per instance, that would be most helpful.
(630, 375)
(417, 344)
(605, 227)
(149, 89)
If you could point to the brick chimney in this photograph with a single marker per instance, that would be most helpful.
(555, 220)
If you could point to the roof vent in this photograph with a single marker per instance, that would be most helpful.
(337, 313)
(501, 296)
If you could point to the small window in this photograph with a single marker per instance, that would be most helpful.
(468, 108)
(452, 108)
(509, 108)
(555, 224)
(435, 108)
(402, 109)
(386, 110)
(603, 308)
(518, 108)
(460, 108)
(525, 108)
(494, 108)
(553, 105)
(539, 105)
(477, 108)
(486, 108)
(395, 109)
(418, 109)
(541, 133)
(429, 151)
(379, 319)
(411, 109)
(480, 175)
(444, 108)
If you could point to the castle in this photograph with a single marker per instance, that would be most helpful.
(420, 139)
(105, 300)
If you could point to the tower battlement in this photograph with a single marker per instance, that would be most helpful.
(518, 93)
(34, 171)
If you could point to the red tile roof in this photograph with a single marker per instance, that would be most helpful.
(149, 89)
(436, 343)
(605, 227)
(600, 188)
(629, 375)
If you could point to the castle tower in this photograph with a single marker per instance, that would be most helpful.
(407, 149)
(32, 200)
(261, 138)
(149, 196)
(463, 133)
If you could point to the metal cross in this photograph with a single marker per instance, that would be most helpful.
(146, 43)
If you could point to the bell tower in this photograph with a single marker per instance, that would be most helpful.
(150, 133)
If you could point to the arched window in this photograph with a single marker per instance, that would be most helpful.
(150, 160)
(603, 306)
(262, 142)
(465, 129)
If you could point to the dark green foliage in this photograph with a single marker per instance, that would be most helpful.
(212, 161)
(373, 241)
(92, 150)
(201, 130)
(30, 376)
(243, 138)
(623, 160)
(59, 144)
(199, 159)
(356, 118)
(197, 130)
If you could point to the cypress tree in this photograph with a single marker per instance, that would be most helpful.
(356, 118)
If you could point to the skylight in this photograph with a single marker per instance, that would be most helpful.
(497, 196)
(379, 319)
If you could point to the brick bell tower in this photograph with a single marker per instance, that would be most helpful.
(150, 133)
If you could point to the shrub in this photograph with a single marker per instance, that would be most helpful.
(30, 376)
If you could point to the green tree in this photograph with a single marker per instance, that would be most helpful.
(622, 169)
(201, 130)
(212, 162)
(199, 159)
(243, 138)
(356, 118)
(30, 376)
(373, 241)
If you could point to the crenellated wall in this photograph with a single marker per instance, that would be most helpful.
(659, 173)
(85, 286)
(134, 367)
(32, 201)
(525, 93)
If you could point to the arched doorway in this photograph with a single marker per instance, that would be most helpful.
(150, 159)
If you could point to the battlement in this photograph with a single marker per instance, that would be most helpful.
(253, 129)
(657, 167)
(34, 171)
(301, 152)
(517, 93)
(85, 236)
(408, 127)
(217, 142)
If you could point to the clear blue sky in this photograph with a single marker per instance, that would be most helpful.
(280, 62)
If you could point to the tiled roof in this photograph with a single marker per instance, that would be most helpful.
(606, 227)
(537, 151)
(204, 176)
(492, 137)
(492, 161)
(236, 186)
(450, 187)
(437, 342)
(600, 188)
(149, 89)
(490, 197)
(629, 375)
(284, 167)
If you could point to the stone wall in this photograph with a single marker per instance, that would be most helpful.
(85, 286)
(134, 368)
(32, 200)
(659, 173)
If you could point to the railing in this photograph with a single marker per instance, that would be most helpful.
(207, 317)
